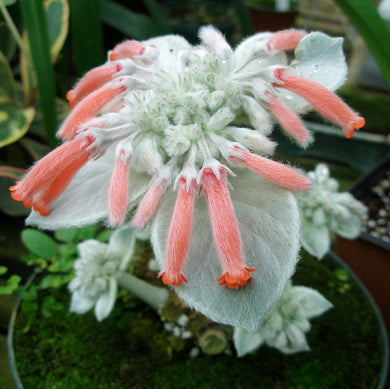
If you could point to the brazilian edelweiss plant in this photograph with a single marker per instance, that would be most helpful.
(325, 210)
(285, 326)
(180, 134)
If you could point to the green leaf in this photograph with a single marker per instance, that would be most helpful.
(104, 236)
(86, 233)
(67, 251)
(3, 270)
(367, 21)
(11, 285)
(131, 24)
(36, 26)
(39, 243)
(36, 149)
(11, 172)
(49, 304)
(29, 294)
(14, 121)
(63, 265)
(68, 235)
(55, 280)
(243, 16)
(28, 76)
(7, 85)
(87, 34)
(7, 42)
(57, 14)
(158, 16)
(7, 204)
(9, 2)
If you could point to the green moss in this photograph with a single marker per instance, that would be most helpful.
(130, 349)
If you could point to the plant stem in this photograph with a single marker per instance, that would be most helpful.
(12, 28)
(154, 296)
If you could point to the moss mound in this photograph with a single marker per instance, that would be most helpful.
(130, 349)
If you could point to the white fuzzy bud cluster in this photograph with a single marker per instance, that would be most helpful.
(285, 326)
(326, 210)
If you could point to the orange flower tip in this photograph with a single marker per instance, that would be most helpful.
(70, 96)
(234, 280)
(306, 185)
(26, 203)
(356, 124)
(285, 40)
(127, 49)
(43, 211)
(359, 123)
(172, 278)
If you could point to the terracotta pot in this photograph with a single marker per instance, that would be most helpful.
(369, 256)
(266, 19)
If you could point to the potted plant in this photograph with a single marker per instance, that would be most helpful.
(152, 139)
(369, 256)
(272, 15)
(186, 17)
(152, 335)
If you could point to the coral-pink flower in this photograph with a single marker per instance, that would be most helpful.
(163, 118)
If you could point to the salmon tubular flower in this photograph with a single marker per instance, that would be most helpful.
(180, 135)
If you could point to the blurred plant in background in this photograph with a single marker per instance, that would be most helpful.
(44, 46)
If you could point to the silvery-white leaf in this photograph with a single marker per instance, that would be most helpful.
(349, 227)
(74, 284)
(246, 342)
(91, 249)
(319, 217)
(122, 243)
(80, 303)
(321, 172)
(319, 58)
(302, 323)
(312, 303)
(246, 47)
(296, 340)
(269, 223)
(85, 201)
(168, 47)
(280, 341)
(315, 239)
(106, 301)
(272, 325)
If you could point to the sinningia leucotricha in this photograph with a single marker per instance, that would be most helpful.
(179, 133)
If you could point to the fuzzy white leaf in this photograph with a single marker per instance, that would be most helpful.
(168, 47)
(269, 223)
(311, 302)
(296, 340)
(106, 301)
(246, 342)
(319, 58)
(80, 303)
(348, 227)
(315, 239)
(122, 242)
(85, 201)
(91, 248)
(246, 48)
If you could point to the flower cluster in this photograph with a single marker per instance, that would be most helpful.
(325, 210)
(180, 133)
(97, 271)
(285, 326)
